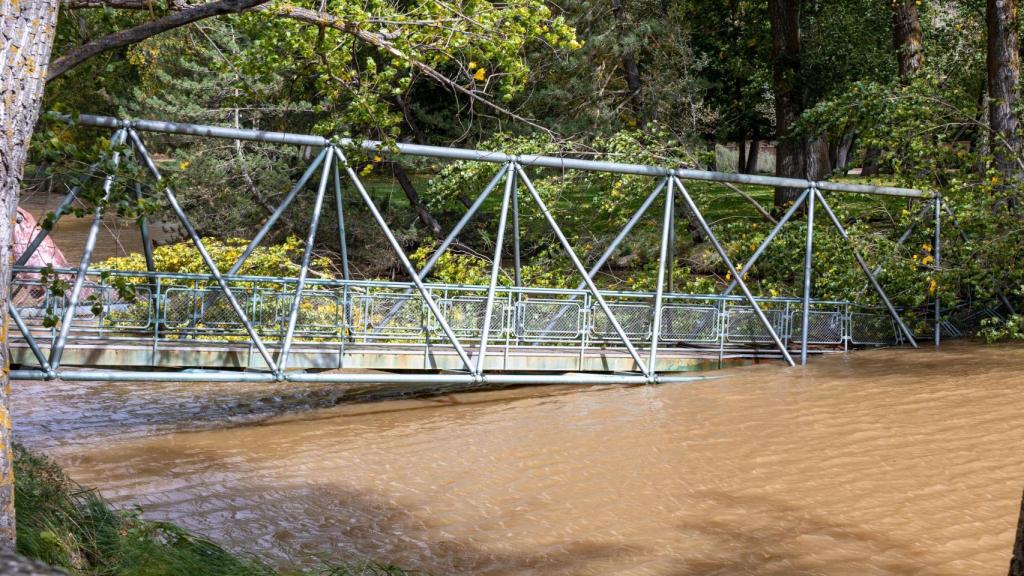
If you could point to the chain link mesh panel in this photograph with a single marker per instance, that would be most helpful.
(683, 323)
(635, 320)
(746, 327)
(466, 316)
(549, 319)
(823, 326)
(872, 329)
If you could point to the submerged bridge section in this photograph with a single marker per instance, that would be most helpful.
(148, 325)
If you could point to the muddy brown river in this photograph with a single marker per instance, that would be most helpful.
(880, 462)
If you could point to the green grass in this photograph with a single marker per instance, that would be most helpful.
(65, 525)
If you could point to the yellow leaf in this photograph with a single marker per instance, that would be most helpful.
(472, 65)
(377, 158)
(183, 165)
(480, 75)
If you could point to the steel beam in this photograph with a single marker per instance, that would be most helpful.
(485, 331)
(583, 271)
(808, 269)
(497, 157)
(83, 268)
(937, 247)
(307, 254)
(864, 266)
(172, 200)
(659, 290)
(431, 304)
(32, 344)
(695, 211)
(348, 378)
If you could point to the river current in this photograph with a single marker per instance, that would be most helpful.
(877, 462)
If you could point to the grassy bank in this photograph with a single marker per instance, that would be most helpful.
(66, 525)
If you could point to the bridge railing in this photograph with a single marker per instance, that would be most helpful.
(164, 307)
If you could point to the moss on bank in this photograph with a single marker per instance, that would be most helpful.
(66, 525)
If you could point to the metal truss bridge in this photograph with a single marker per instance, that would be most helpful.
(227, 327)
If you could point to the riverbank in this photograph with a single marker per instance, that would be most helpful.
(75, 528)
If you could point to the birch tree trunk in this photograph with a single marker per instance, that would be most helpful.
(27, 28)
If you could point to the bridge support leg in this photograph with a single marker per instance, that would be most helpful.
(339, 201)
(57, 350)
(692, 207)
(937, 247)
(485, 330)
(140, 148)
(659, 290)
(307, 254)
(586, 277)
(427, 297)
(808, 268)
(32, 344)
(864, 266)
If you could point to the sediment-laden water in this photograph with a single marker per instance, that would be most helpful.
(880, 462)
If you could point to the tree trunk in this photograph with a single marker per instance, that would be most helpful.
(27, 29)
(752, 153)
(1003, 79)
(907, 38)
(741, 160)
(629, 65)
(1017, 558)
(790, 160)
(422, 213)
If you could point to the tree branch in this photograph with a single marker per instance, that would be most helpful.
(121, 38)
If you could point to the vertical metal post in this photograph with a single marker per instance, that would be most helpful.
(495, 270)
(670, 264)
(269, 224)
(207, 259)
(516, 256)
(340, 207)
(937, 246)
(583, 271)
(659, 290)
(57, 348)
(808, 268)
(300, 285)
(696, 213)
(864, 266)
(768, 239)
(427, 298)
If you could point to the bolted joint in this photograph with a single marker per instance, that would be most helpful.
(51, 374)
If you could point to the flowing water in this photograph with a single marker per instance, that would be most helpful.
(880, 462)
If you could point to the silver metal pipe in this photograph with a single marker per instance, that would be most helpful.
(659, 290)
(583, 271)
(307, 254)
(516, 255)
(172, 200)
(496, 157)
(768, 239)
(90, 244)
(485, 331)
(937, 246)
(428, 299)
(359, 378)
(808, 266)
(339, 200)
(696, 213)
(27, 334)
(864, 266)
(269, 224)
